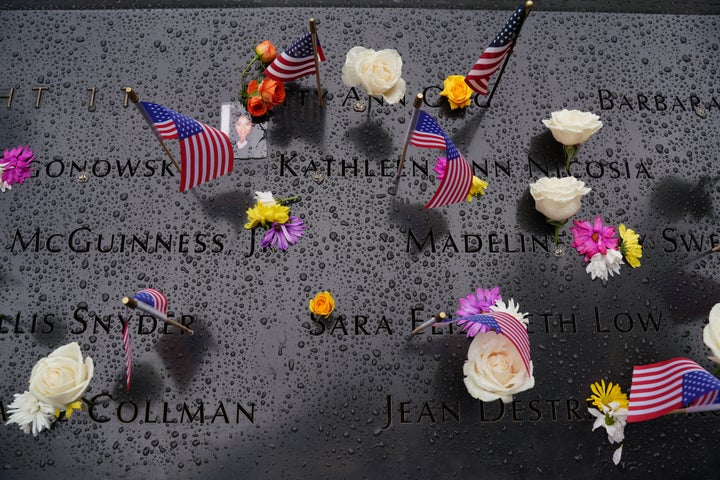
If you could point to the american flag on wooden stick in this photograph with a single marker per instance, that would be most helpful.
(206, 153)
(157, 301)
(295, 62)
(457, 181)
(493, 56)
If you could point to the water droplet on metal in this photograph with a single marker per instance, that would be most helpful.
(82, 176)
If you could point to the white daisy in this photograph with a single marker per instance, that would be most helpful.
(30, 414)
(512, 309)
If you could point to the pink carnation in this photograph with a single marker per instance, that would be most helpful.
(16, 165)
(440, 168)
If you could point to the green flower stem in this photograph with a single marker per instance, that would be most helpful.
(570, 151)
(287, 200)
(243, 92)
(717, 372)
(558, 226)
(256, 58)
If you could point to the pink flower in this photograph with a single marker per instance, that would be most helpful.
(476, 304)
(16, 165)
(592, 239)
(440, 168)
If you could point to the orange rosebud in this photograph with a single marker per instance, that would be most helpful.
(266, 51)
(252, 87)
(323, 304)
(272, 91)
(256, 107)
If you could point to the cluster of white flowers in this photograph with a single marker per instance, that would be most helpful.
(613, 419)
(601, 266)
(57, 382)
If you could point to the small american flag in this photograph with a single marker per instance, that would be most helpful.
(678, 383)
(504, 324)
(457, 181)
(153, 298)
(295, 62)
(158, 301)
(494, 55)
(206, 153)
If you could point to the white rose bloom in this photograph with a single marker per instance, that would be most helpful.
(62, 377)
(601, 265)
(266, 198)
(711, 333)
(494, 369)
(558, 198)
(377, 72)
(573, 127)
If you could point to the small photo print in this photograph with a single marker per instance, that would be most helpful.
(249, 140)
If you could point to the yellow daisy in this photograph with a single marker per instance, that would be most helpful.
(70, 408)
(630, 248)
(603, 395)
(478, 188)
(264, 214)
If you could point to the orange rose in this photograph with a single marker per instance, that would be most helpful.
(272, 92)
(252, 87)
(279, 95)
(323, 304)
(266, 51)
(456, 91)
(256, 107)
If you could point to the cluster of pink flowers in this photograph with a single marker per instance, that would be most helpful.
(599, 244)
(15, 167)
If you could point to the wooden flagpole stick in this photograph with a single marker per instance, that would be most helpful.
(132, 303)
(528, 7)
(417, 103)
(136, 100)
(313, 34)
(437, 318)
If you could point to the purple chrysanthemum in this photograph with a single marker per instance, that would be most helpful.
(475, 304)
(282, 235)
(440, 167)
(592, 239)
(16, 165)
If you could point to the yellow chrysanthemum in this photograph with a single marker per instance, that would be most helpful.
(478, 188)
(630, 248)
(264, 214)
(603, 395)
(70, 408)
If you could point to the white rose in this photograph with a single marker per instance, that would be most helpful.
(494, 369)
(377, 72)
(573, 127)
(558, 198)
(266, 198)
(62, 377)
(711, 333)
